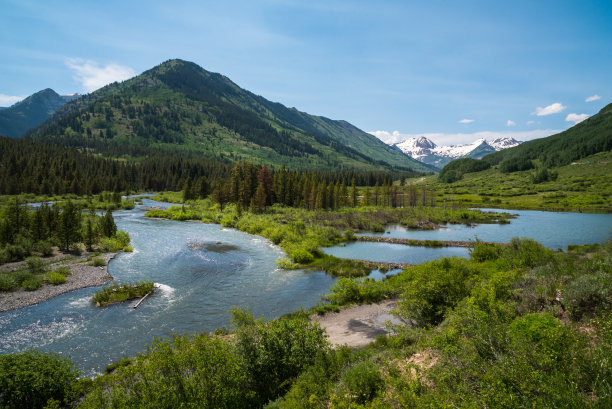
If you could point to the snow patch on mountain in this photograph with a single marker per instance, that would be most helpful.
(426, 151)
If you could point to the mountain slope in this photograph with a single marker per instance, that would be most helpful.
(179, 105)
(589, 137)
(26, 114)
(426, 151)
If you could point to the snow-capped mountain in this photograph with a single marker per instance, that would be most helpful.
(426, 151)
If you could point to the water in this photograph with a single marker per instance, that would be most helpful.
(203, 271)
(554, 230)
(394, 253)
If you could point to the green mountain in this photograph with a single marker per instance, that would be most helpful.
(180, 106)
(589, 137)
(26, 114)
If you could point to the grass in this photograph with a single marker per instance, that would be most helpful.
(584, 186)
(116, 292)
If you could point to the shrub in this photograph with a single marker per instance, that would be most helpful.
(360, 291)
(20, 276)
(522, 252)
(360, 383)
(588, 294)
(63, 270)
(32, 284)
(36, 265)
(7, 283)
(31, 379)
(286, 264)
(98, 262)
(128, 249)
(301, 255)
(484, 251)
(55, 278)
(121, 292)
(44, 247)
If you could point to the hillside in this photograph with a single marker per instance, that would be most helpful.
(180, 106)
(35, 109)
(589, 137)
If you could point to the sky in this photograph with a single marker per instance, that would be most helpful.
(453, 71)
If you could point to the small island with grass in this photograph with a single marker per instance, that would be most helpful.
(116, 293)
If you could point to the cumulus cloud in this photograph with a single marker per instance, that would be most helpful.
(549, 110)
(8, 100)
(463, 138)
(92, 76)
(593, 98)
(466, 121)
(510, 123)
(576, 118)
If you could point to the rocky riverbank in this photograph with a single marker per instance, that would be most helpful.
(82, 275)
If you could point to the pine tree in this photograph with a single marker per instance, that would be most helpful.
(90, 237)
(69, 227)
(107, 224)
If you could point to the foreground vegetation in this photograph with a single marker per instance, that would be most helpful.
(515, 326)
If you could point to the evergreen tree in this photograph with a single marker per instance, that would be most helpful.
(90, 237)
(69, 227)
(108, 228)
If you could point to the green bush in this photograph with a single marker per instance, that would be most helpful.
(128, 249)
(589, 294)
(7, 283)
(30, 379)
(286, 264)
(360, 383)
(32, 284)
(63, 270)
(36, 265)
(98, 262)
(484, 251)
(183, 372)
(44, 247)
(301, 255)
(55, 278)
(361, 291)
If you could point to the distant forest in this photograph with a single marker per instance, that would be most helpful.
(43, 168)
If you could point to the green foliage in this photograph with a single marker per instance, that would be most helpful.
(7, 282)
(589, 294)
(484, 251)
(119, 241)
(359, 383)
(30, 379)
(121, 292)
(98, 262)
(361, 291)
(36, 265)
(55, 278)
(32, 284)
(275, 352)
(515, 164)
(455, 170)
(199, 371)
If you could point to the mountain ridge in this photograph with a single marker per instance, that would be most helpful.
(179, 105)
(31, 111)
(426, 151)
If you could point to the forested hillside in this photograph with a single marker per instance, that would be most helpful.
(179, 105)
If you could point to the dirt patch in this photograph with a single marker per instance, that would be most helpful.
(360, 325)
(82, 275)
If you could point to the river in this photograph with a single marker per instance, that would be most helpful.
(204, 270)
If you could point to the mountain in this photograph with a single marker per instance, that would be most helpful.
(180, 106)
(586, 138)
(426, 151)
(35, 109)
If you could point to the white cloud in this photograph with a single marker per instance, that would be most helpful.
(576, 118)
(92, 76)
(530, 122)
(466, 121)
(592, 98)
(549, 110)
(510, 123)
(8, 100)
(464, 138)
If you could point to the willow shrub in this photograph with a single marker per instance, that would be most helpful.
(30, 379)
(199, 371)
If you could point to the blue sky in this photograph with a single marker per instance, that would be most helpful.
(450, 70)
